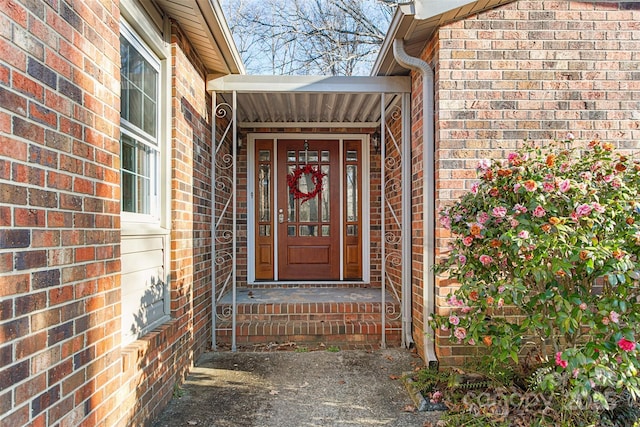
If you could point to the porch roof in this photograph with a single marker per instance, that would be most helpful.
(309, 101)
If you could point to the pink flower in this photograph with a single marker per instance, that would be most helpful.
(559, 361)
(530, 185)
(516, 187)
(454, 301)
(614, 317)
(501, 289)
(583, 210)
(519, 208)
(485, 259)
(570, 136)
(462, 259)
(483, 217)
(466, 309)
(445, 221)
(501, 302)
(576, 372)
(499, 212)
(436, 397)
(597, 207)
(515, 159)
(564, 185)
(586, 176)
(472, 341)
(539, 212)
(608, 178)
(474, 187)
(583, 306)
(454, 320)
(514, 223)
(484, 164)
(626, 345)
(467, 241)
(548, 187)
(524, 234)
(460, 333)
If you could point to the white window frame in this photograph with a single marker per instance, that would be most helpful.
(154, 144)
(150, 34)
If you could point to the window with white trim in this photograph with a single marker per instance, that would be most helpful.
(139, 141)
(143, 149)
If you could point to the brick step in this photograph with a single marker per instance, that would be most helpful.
(307, 333)
(331, 316)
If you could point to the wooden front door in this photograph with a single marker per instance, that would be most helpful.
(308, 230)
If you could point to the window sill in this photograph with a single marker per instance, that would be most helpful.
(133, 227)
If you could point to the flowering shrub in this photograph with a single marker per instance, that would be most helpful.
(546, 249)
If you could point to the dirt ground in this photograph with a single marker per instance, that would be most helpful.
(297, 389)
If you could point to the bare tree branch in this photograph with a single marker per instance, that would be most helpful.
(337, 37)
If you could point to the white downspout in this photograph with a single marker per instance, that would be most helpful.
(426, 72)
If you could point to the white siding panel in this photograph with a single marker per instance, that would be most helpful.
(143, 284)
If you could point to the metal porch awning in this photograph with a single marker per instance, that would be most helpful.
(309, 101)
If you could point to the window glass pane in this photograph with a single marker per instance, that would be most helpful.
(352, 230)
(325, 231)
(264, 156)
(264, 192)
(308, 230)
(148, 116)
(139, 97)
(291, 208)
(352, 156)
(291, 156)
(138, 169)
(144, 201)
(291, 230)
(352, 193)
(310, 156)
(128, 191)
(150, 81)
(325, 156)
(265, 230)
(325, 207)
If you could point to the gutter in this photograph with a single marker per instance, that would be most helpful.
(416, 64)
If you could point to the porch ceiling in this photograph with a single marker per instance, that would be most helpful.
(309, 101)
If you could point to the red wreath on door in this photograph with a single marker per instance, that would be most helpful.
(316, 178)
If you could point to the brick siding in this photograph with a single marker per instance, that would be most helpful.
(59, 210)
(530, 70)
(61, 359)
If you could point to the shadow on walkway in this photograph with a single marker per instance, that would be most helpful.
(297, 389)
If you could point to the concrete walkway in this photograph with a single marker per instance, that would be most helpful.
(297, 389)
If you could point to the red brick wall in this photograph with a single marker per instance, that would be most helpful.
(536, 70)
(61, 359)
(59, 212)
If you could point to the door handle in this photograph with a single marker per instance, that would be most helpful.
(280, 216)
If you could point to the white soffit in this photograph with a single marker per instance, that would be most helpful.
(309, 101)
(204, 24)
